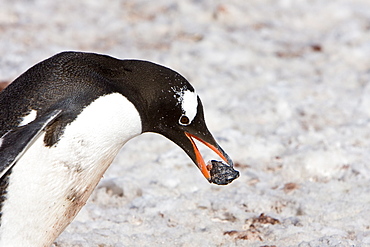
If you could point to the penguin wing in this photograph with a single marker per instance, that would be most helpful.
(16, 142)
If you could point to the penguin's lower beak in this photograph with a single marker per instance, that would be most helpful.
(214, 172)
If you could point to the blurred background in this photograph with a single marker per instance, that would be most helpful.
(285, 87)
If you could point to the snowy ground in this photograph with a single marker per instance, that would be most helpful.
(286, 89)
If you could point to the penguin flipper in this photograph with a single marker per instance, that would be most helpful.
(15, 143)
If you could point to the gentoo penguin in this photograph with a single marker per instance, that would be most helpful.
(64, 120)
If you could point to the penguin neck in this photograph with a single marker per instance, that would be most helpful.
(49, 185)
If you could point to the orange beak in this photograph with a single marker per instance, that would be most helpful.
(205, 169)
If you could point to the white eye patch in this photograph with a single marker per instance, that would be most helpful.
(189, 105)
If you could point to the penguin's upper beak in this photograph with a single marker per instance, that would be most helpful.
(214, 171)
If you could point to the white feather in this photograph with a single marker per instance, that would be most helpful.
(29, 118)
(188, 101)
(189, 104)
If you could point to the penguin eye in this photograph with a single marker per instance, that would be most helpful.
(184, 120)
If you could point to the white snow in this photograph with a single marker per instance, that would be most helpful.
(285, 87)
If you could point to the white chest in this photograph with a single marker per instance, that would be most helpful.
(48, 186)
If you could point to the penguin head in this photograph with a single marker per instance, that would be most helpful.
(174, 110)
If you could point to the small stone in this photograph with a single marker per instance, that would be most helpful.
(221, 173)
